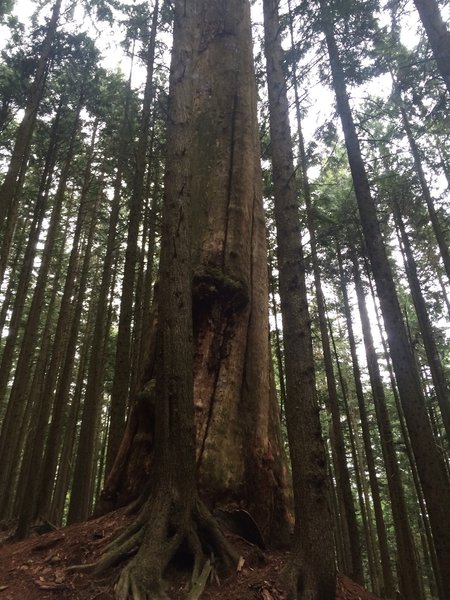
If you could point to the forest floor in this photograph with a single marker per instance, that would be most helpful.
(35, 569)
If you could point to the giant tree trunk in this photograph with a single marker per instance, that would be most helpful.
(173, 513)
(239, 455)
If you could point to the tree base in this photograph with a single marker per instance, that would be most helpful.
(300, 581)
(166, 524)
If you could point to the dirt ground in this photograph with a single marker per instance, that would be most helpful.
(35, 569)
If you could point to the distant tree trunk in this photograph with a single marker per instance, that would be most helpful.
(122, 366)
(32, 236)
(34, 473)
(16, 406)
(429, 462)
(311, 572)
(67, 455)
(239, 451)
(407, 442)
(55, 375)
(11, 186)
(434, 362)
(439, 232)
(375, 490)
(278, 342)
(438, 35)
(34, 388)
(407, 566)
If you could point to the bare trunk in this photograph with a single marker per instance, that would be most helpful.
(438, 35)
(437, 372)
(11, 186)
(122, 366)
(429, 462)
(311, 571)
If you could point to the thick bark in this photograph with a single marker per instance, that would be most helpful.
(311, 572)
(430, 465)
(173, 513)
(239, 454)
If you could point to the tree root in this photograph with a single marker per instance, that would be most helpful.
(162, 527)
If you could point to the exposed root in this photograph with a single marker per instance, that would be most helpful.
(163, 526)
(131, 585)
(112, 556)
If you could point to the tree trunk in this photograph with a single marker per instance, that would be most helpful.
(434, 362)
(122, 366)
(439, 232)
(311, 572)
(239, 452)
(11, 186)
(14, 414)
(29, 510)
(438, 36)
(429, 463)
(376, 497)
(407, 567)
(173, 513)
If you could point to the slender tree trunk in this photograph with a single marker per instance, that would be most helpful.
(29, 509)
(430, 465)
(407, 442)
(32, 236)
(375, 490)
(354, 569)
(122, 367)
(14, 414)
(437, 372)
(438, 36)
(278, 342)
(407, 567)
(11, 187)
(311, 572)
(439, 232)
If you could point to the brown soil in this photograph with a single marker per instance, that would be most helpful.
(35, 569)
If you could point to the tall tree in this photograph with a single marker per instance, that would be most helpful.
(438, 35)
(13, 181)
(239, 451)
(311, 572)
(122, 371)
(430, 465)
